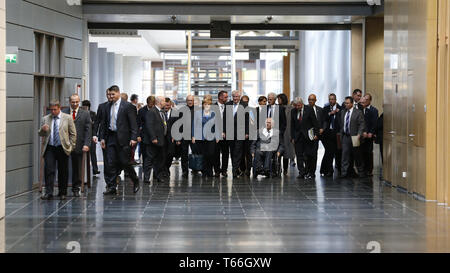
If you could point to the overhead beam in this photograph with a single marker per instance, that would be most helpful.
(229, 9)
(149, 26)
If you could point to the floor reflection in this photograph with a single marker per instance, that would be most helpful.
(222, 215)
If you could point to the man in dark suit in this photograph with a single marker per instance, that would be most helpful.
(262, 102)
(329, 138)
(318, 112)
(119, 133)
(224, 148)
(302, 120)
(186, 143)
(155, 138)
(357, 95)
(173, 150)
(236, 144)
(82, 120)
(370, 118)
(353, 125)
(142, 114)
(98, 123)
(92, 151)
(272, 112)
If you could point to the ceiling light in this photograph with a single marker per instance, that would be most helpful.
(273, 34)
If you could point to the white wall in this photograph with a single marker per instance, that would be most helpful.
(118, 70)
(132, 76)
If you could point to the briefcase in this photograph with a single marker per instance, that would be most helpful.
(196, 162)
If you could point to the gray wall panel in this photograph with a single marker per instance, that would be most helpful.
(25, 63)
(60, 6)
(19, 133)
(19, 85)
(19, 36)
(73, 48)
(19, 181)
(18, 157)
(74, 68)
(40, 18)
(19, 109)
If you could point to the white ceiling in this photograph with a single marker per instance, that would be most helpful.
(148, 44)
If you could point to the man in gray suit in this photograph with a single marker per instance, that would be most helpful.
(353, 125)
(82, 120)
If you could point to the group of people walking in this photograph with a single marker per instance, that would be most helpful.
(262, 140)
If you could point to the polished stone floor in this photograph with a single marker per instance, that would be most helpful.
(226, 215)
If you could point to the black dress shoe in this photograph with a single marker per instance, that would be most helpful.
(136, 187)
(301, 176)
(76, 194)
(110, 191)
(47, 197)
(285, 172)
(224, 174)
(62, 197)
(96, 172)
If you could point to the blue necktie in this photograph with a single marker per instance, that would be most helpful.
(347, 123)
(56, 140)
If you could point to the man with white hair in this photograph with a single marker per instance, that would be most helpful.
(156, 131)
(303, 120)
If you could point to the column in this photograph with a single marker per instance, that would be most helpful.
(2, 123)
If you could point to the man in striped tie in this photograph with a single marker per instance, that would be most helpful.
(60, 135)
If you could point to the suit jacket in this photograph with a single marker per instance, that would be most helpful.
(100, 120)
(126, 123)
(255, 145)
(328, 118)
(154, 128)
(299, 130)
(370, 118)
(67, 132)
(320, 117)
(93, 119)
(142, 114)
(357, 123)
(235, 122)
(282, 117)
(84, 129)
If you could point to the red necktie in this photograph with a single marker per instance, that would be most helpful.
(73, 114)
(300, 117)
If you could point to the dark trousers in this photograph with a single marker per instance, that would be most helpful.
(173, 151)
(331, 153)
(311, 157)
(77, 160)
(246, 160)
(285, 163)
(93, 155)
(53, 157)
(263, 160)
(209, 150)
(349, 152)
(236, 147)
(117, 158)
(154, 160)
(224, 149)
(300, 146)
(367, 155)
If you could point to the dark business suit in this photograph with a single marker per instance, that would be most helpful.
(370, 118)
(186, 143)
(320, 120)
(142, 113)
(173, 150)
(329, 140)
(84, 135)
(236, 146)
(118, 149)
(247, 159)
(304, 147)
(224, 149)
(93, 148)
(356, 127)
(98, 127)
(155, 129)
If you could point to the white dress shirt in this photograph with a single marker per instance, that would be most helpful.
(113, 127)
